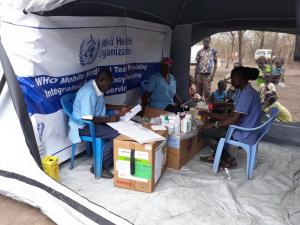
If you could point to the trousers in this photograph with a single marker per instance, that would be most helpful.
(203, 85)
(107, 134)
(212, 136)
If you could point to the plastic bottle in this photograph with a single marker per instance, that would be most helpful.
(177, 124)
(186, 124)
(189, 122)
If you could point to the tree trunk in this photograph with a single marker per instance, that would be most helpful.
(262, 40)
(240, 37)
(292, 51)
(297, 49)
(274, 46)
(230, 57)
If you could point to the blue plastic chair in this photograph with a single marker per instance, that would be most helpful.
(250, 149)
(97, 143)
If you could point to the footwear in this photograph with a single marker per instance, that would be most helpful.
(228, 163)
(208, 159)
(105, 173)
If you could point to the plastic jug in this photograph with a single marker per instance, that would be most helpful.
(50, 166)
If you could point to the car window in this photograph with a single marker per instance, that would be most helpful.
(260, 53)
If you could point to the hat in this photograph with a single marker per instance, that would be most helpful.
(167, 61)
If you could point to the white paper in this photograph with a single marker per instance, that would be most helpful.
(136, 131)
(87, 117)
(158, 127)
(128, 116)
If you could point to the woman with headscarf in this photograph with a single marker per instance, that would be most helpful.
(161, 90)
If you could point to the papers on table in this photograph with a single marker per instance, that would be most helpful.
(136, 131)
(158, 127)
(128, 116)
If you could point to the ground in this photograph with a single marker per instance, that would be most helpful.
(16, 213)
(288, 96)
(194, 195)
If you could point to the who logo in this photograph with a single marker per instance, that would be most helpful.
(89, 50)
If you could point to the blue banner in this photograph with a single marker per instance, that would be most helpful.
(42, 93)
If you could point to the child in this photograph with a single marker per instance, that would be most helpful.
(219, 95)
(278, 71)
(266, 87)
(218, 99)
(270, 101)
(192, 91)
(265, 70)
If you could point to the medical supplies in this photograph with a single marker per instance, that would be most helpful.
(186, 124)
(139, 166)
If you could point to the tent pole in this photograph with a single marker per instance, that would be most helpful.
(19, 105)
(2, 83)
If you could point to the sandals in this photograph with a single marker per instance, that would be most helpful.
(228, 163)
(208, 159)
(224, 163)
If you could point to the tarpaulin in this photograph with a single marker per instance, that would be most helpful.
(52, 56)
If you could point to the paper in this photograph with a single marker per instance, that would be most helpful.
(136, 131)
(87, 117)
(158, 127)
(128, 116)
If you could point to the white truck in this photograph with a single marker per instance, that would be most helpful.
(263, 52)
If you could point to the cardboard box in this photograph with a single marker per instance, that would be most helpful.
(152, 113)
(182, 149)
(148, 166)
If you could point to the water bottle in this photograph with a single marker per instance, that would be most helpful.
(177, 125)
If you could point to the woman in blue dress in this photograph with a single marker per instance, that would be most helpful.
(161, 90)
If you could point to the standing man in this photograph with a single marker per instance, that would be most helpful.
(206, 66)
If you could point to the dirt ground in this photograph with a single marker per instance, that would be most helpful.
(16, 213)
(288, 96)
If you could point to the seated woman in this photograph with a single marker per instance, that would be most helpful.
(161, 90)
(247, 113)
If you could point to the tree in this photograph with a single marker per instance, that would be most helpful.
(230, 56)
(240, 37)
(297, 49)
(274, 45)
(261, 36)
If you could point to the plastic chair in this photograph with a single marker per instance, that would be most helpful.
(97, 143)
(250, 149)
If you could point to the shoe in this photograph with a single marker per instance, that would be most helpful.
(105, 173)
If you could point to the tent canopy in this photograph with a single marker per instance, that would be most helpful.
(177, 12)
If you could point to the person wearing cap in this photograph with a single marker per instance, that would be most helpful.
(160, 92)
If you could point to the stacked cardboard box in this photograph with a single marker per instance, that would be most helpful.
(139, 166)
(180, 148)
